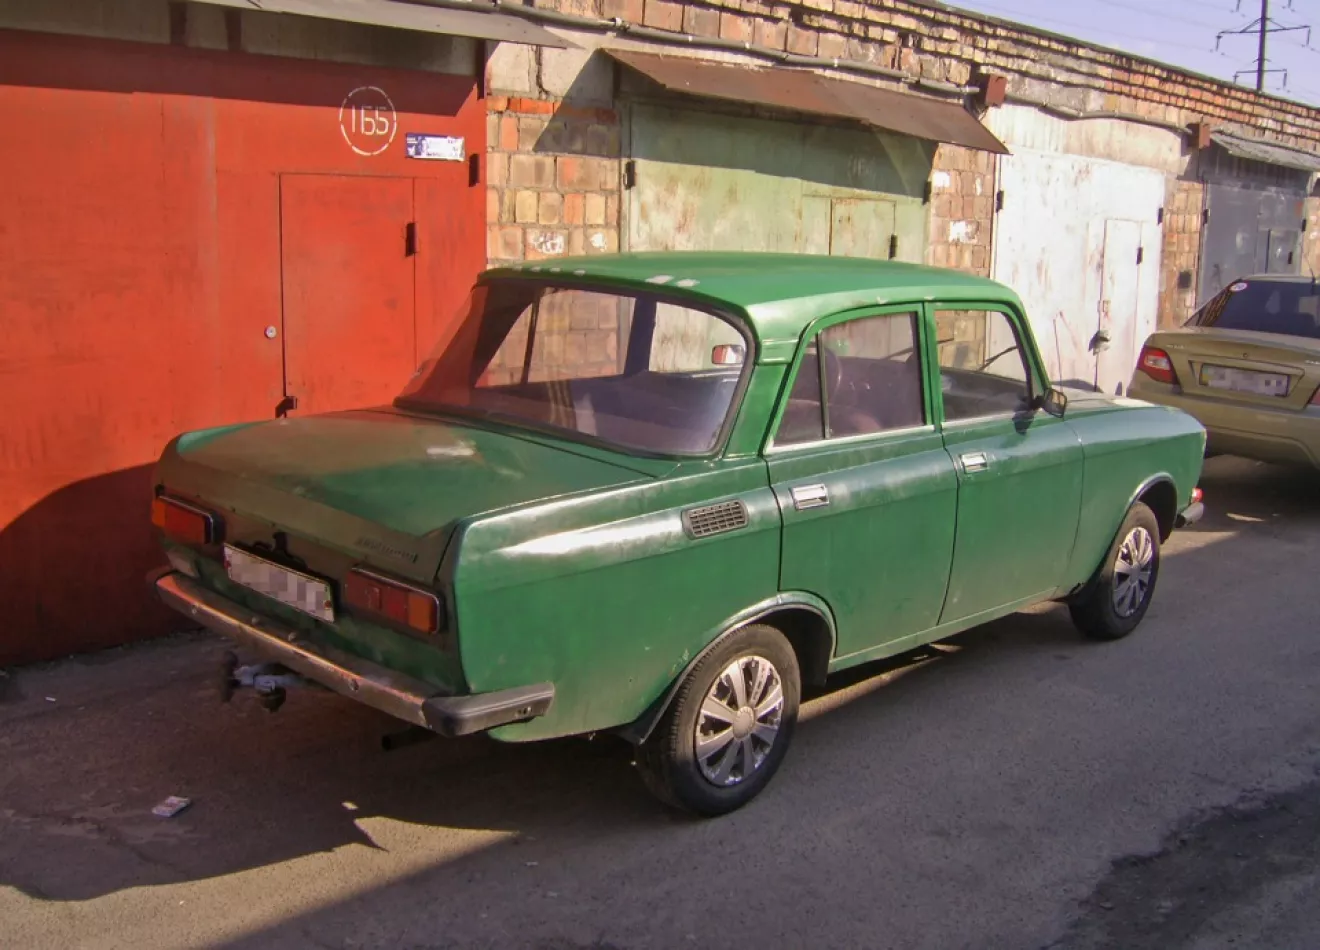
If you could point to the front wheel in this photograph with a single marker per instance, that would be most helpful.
(729, 726)
(1118, 598)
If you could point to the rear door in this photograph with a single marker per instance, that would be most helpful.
(867, 493)
(1019, 470)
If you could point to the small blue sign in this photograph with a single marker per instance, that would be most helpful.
(436, 148)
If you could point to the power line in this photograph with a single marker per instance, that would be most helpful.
(1263, 27)
(996, 8)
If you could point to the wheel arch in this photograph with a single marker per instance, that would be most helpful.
(804, 619)
(1160, 495)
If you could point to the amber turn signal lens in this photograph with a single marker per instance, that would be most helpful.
(1156, 364)
(402, 605)
(184, 523)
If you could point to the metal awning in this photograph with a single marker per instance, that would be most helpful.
(803, 91)
(1256, 151)
(403, 15)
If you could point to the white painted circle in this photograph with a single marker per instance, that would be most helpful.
(367, 120)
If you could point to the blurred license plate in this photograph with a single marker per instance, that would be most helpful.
(299, 591)
(1244, 380)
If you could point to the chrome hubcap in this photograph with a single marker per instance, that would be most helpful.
(1133, 572)
(739, 721)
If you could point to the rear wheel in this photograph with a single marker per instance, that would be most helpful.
(1117, 599)
(729, 726)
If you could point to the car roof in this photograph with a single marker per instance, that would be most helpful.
(779, 293)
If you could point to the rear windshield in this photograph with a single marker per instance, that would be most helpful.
(1291, 308)
(630, 371)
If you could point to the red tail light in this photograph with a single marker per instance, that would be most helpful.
(1197, 495)
(182, 522)
(417, 610)
(1156, 364)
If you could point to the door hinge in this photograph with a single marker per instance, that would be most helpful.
(1205, 216)
(1291, 254)
(999, 200)
(1304, 223)
(410, 239)
(928, 192)
(1141, 255)
(474, 169)
(1159, 216)
(893, 246)
(630, 174)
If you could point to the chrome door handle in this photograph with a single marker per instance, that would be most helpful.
(975, 462)
(810, 496)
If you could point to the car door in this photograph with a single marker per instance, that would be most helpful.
(867, 492)
(1019, 468)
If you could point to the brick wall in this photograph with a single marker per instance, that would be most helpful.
(553, 177)
(1182, 242)
(1311, 239)
(951, 46)
(962, 209)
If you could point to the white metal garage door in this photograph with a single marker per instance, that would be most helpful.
(1079, 239)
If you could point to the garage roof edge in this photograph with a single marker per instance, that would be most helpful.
(1258, 151)
(800, 90)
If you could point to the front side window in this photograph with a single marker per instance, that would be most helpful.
(856, 378)
(632, 371)
(983, 370)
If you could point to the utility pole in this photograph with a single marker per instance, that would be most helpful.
(1263, 27)
(1264, 35)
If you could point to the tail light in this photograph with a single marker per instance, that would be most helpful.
(1156, 364)
(415, 609)
(183, 522)
(1197, 495)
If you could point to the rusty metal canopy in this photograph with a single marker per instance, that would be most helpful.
(804, 91)
(1255, 151)
(403, 15)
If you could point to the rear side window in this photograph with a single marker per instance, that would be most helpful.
(1291, 308)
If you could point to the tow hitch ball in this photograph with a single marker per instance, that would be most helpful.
(270, 681)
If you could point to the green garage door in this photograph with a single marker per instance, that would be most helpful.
(716, 182)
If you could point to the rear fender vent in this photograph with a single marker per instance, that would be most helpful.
(715, 519)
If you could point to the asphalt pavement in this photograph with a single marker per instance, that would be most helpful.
(1014, 787)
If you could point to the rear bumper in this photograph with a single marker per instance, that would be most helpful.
(1191, 514)
(1285, 436)
(369, 683)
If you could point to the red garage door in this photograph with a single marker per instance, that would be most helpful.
(187, 239)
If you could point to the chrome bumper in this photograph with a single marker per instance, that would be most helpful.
(369, 683)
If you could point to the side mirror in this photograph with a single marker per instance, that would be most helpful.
(1053, 402)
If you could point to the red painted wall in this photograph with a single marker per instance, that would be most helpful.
(142, 259)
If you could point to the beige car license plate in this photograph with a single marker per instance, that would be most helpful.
(1244, 380)
(297, 590)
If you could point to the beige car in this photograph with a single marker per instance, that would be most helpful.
(1247, 366)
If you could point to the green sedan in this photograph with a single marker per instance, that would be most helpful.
(1247, 366)
(656, 495)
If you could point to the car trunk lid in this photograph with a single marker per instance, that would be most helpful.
(1267, 369)
(384, 486)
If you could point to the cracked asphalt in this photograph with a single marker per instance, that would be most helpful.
(1013, 787)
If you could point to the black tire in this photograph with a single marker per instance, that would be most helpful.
(1096, 612)
(668, 758)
